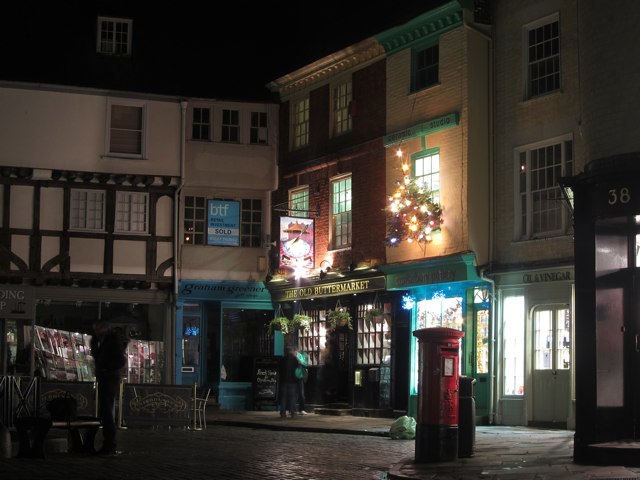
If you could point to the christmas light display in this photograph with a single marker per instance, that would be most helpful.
(412, 215)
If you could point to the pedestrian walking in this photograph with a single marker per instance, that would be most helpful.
(289, 383)
(108, 348)
(301, 375)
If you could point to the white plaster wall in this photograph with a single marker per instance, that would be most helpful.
(129, 257)
(20, 247)
(164, 217)
(86, 255)
(66, 129)
(21, 207)
(51, 208)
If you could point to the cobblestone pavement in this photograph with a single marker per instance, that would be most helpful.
(251, 445)
(222, 452)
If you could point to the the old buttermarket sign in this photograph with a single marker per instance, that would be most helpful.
(333, 289)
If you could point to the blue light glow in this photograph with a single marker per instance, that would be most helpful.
(191, 331)
(408, 301)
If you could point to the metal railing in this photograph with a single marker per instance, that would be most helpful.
(138, 404)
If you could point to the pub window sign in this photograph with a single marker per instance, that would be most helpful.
(296, 242)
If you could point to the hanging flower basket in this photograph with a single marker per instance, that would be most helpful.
(301, 321)
(338, 318)
(376, 315)
(279, 323)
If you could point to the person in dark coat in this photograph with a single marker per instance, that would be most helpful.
(289, 383)
(108, 348)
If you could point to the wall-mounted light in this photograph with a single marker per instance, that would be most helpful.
(327, 269)
(566, 188)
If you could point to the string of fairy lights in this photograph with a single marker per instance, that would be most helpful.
(412, 214)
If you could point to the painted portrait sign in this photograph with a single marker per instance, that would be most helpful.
(296, 242)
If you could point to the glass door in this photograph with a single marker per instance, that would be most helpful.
(551, 376)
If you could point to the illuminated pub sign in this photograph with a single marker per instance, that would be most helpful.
(332, 289)
(296, 242)
(223, 223)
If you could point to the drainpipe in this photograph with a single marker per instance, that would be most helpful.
(492, 334)
(489, 39)
(176, 200)
(176, 235)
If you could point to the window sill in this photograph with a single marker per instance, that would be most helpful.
(86, 230)
(541, 97)
(116, 156)
(557, 236)
(339, 250)
(137, 234)
(424, 90)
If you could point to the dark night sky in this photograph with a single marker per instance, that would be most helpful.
(228, 53)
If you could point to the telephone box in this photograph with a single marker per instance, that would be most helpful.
(438, 385)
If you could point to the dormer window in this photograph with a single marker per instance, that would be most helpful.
(114, 36)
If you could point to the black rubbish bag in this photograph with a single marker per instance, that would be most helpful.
(63, 408)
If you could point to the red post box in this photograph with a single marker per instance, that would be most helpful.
(438, 385)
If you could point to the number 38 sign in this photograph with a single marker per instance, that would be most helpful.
(616, 199)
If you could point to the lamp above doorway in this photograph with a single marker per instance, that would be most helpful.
(566, 188)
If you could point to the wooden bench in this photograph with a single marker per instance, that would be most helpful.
(32, 433)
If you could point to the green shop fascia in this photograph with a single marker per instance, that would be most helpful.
(448, 292)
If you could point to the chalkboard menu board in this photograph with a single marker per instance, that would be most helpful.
(266, 381)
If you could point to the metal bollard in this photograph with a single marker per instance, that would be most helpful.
(5, 442)
(467, 417)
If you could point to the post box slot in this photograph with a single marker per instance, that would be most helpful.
(452, 351)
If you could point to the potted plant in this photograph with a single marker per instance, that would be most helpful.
(338, 318)
(301, 321)
(376, 315)
(279, 323)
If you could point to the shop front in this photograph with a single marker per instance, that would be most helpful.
(535, 332)
(46, 331)
(220, 331)
(351, 365)
(448, 292)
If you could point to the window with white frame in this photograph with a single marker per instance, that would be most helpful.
(513, 351)
(299, 202)
(201, 124)
(543, 56)
(132, 212)
(300, 123)
(426, 170)
(426, 66)
(251, 223)
(195, 212)
(258, 133)
(87, 210)
(539, 209)
(114, 36)
(342, 97)
(341, 224)
(126, 130)
(230, 125)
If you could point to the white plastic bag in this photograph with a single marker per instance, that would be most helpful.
(403, 428)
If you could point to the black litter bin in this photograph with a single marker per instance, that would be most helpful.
(466, 417)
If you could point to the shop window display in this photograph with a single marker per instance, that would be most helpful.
(374, 336)
(313, 340)
(62, 334)
(66, 356)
